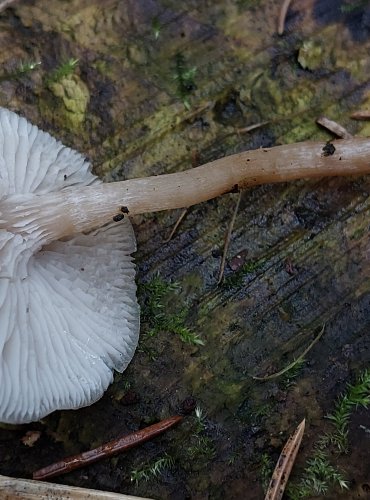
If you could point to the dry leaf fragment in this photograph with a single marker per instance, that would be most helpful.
(284, 464)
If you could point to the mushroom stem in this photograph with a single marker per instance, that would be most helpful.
(80, 209)
(97, 204)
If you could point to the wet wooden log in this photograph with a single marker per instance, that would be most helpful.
(157, 84)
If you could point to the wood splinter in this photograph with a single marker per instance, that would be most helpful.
(334, 127)
(285, 464)
(106, 450)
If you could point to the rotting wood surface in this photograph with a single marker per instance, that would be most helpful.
(160, 86)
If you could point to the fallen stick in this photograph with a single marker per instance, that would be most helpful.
(12, 488)
(106, 450)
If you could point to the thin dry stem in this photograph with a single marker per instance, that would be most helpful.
(227, 240)
(293, 363)
(177, 224)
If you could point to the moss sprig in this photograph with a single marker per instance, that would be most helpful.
(154, 295)
(152, 470)
(320, 474)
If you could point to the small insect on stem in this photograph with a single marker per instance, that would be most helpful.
(124, 210)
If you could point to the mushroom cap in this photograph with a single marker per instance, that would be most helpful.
(68, 311)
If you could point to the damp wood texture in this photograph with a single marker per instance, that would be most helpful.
(155, 87)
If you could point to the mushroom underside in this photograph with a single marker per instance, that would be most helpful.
(68, 309)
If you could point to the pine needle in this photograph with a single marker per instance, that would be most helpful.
(293, 363)
(227, 240)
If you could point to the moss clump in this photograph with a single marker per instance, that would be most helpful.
(74, 96)
(319, 474)
(151, 470)
(154, 297)
(310, 55)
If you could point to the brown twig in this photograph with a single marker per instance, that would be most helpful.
(177, 223)
(361, 115)
(250, 128)
(334, 127)
(284, 464)
(106, 450)
(282, 16)
(227, 240)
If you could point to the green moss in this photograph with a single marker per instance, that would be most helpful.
(289, 377)
(356, 395)
(351, 5)
(320, 474)
(23, 69)
(318, 477)
(184, 77)
(63, 71)
(245, 4)
(200, 447)
(266, 469)
(154, 297)
(236, 279)
(156, 27)
(152, 470)
(311, 55)
(358, 233)
(73, 96)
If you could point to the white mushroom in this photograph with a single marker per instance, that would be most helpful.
(68, 312)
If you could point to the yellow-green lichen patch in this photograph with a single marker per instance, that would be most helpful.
(73, 96)
(310, 55)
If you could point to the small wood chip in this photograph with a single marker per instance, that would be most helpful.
(361, 115)
(285, 464)
(334, 127)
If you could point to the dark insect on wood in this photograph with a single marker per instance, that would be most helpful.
(118, 217)
(328, 149)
